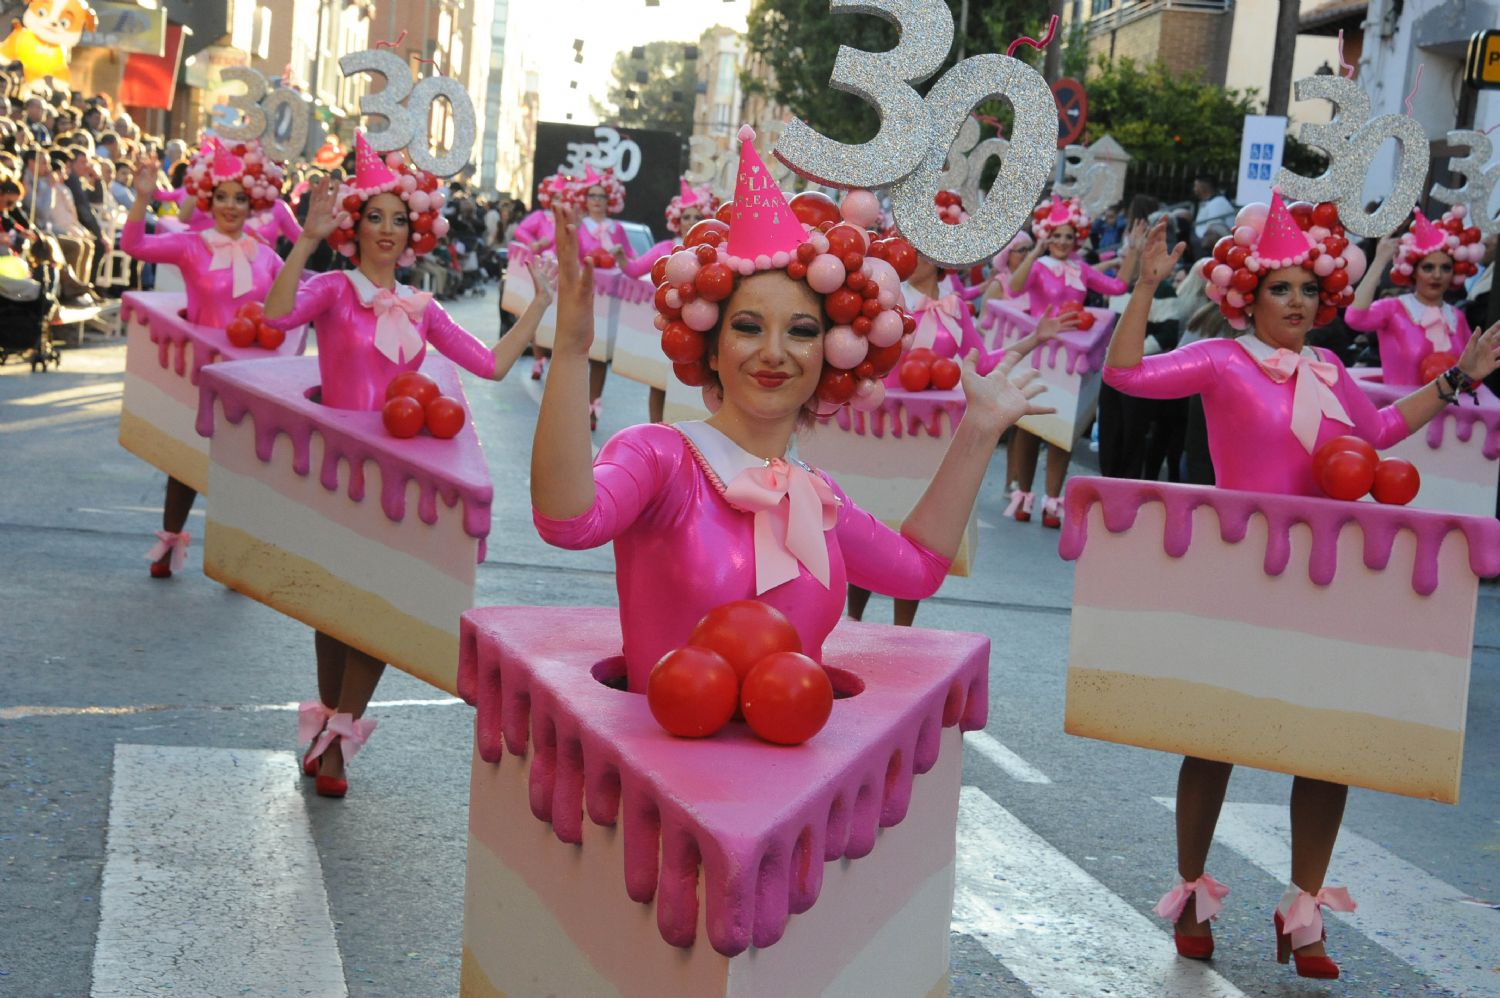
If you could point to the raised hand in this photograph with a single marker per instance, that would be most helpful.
(145, 177)
(1157, 263)
(1481, 354)
(575, 286)
(541, 280)
(997, 399)
(321, 211)
(1050, 325)
(1385, 249)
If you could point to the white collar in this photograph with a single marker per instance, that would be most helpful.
(594, 226)
(1057, 266)
(1416, 309)
(365, 289)
(724, 456)
(1261, 350)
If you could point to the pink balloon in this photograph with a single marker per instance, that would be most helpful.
(1355, 263)
(682, 267)
(886, 298)
(883, 274)
(862, 208)
(699, 315)
(419, 201)
(1323, 265)
(440, 226)
(885, 329)
(1245, 235)
(825, 274)
(869, 395)
(1235, 298)
(1253, 215)
(1222, 275)
(844, 348)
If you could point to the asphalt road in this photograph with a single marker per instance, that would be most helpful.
(94, 655)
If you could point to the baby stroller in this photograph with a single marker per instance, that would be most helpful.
(26, 306)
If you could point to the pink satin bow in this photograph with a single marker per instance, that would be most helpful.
(1207, 893)
(1435, 328)
(1313, 396)
(312, 715)
(233, 253)
(928, 324)
(1302, 919)
(175, 543)
(1069, 270)
(354, 733)
(793, 508)
(396, 333)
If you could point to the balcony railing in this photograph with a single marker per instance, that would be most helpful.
(1124, 12)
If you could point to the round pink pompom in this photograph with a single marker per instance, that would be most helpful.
(660, 321)
(407, 183)
(1235, 298)
(825, 274)
(682, 267)
(882, 273)
(699, 315)
(1355, 263)
(440, 226)
(885, 329)
(780, 259)
(861, 208)
(844, 348)
(819, 242)
(673, 299)
(1222, 275)
(886, 298)
(1253, 215)
(419, 201)
(868, 396)
(1245, 235)
(1323, 265)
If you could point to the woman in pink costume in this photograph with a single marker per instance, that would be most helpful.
(369, 329)
(1433, 259)
(222, 268)
(686, 209)
(702, 513)
(1052, 275)
(1003, 268)
(602, 241)
(536, 234)
(1270, 402)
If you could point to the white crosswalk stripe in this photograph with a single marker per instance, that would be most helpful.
(1402, 908)
(1011, 764)
(212, 883)
(1054, 926)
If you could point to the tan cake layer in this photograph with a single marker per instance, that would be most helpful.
(187, 464)
(308, 592)
(1182, 717)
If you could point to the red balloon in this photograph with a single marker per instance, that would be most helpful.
(445, 417)
(687, 291)
(403, 416)
(1336, 245)
(871, 307)
(1222, 248)
(423, 242)
(1325, 315)
(603, 259)
(787, 698)
(806, 253)
(663, 307)
(1244, 281)
(1325, 214)
(704, 231)
(836, 387)
(945, 374)
(269, 337)
(924, 355)
(1302, 213)
(915, 375)
(714, 282)
(1396, 482)
(659, 270)
(681, 344)
(862, 325)
(843, 305)
(845, 239)
(694, 375)
(1347, 474)
(1336, 281)
(422, 222)
(796, 270)
(692, 692)
(902, 257)
(1236, 257)
(865, 369)
(241, 331)
(1347, 442)
(252, 310)
(1085, 319)
(1434, 365)
(352, 203)
(413, 384)
(706, 255)
(744, 632)
(884, 359)
(855, 281)
(725, 212)
(814, 208)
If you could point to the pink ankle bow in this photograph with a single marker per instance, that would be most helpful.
(354, 733)
(175, 543)
(1313, 396)
(793, 508)
(1302, 919)
(312, 715)
(1207, 893)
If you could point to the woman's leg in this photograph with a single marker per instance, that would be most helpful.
(1317, 812)
(1057, 469)
(656, 405)
(597, 371)
(331, 653)
(1021, 469)
(906, 612)
(174, 513)
(1201, 784)
(361, 674)
(858, 599)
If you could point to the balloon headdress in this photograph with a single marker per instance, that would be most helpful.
(374, 175)
(1272, 237)
(578, 189)
(1047, 217)
(1463, 244)
(550, 188)
(811, 239)
(950, 206)
(244, 163)
(701, 198)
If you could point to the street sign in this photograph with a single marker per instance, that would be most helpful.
(1072, 110)
(1482, 67)
(1261, 146)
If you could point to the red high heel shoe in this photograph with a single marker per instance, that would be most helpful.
(1052, 513)
(169, 553)
(351, 734)
(161, 570)
(1207, 895)
(1020, 506)
(1302, 925)
(312, 717)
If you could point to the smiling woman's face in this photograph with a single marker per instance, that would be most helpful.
(769, 354)
(1284, 306)
(384, 230)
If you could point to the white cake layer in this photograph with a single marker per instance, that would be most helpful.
(158, 428)
(683, 403)
(1074, 397)
(1456, 477)
(545, 918)
(638, 356)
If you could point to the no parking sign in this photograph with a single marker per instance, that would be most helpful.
(1072, 110)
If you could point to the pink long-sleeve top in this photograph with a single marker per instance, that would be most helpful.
(602, 235)
(210, 293)
(340, 305)
(945, 326)
(641, 266)
(537, 227)
(681, 549)
(1409, 332)
(1249, 414)
(1053, 283)
(277, 221)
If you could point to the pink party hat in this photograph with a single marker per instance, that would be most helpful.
(762, 229)
(370, 171)
(1282, 242)
(590, 178)
(559, 183)
(226, 165)
(1425, 236)
(688, 195)
(1059, 214)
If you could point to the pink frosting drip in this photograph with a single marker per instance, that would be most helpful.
(1464, 417)
(754, 821)
(1122, 499)
(274, 394)
(162, 312)
(1081, 352)
(905, 413)
(609, 283)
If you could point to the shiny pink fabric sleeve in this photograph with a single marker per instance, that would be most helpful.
(631, 469)
(1368, 320)
(457, 343)
(315, 296)
(283, 223)
(534, 228)
(164, 247)
(641, 266)
(1102, 283)
(883, 560)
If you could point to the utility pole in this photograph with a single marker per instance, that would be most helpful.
(963, 28)
(1279, 93)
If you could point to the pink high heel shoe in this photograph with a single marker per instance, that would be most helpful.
(1299, 922)
(312, 718)
(1052, 513)
(1020, 506)
(1207, 895)
(351, 734)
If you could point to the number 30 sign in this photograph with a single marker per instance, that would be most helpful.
(406, 104)
(910, 151)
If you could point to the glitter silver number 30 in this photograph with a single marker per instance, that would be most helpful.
(883, 79)
(406, 107)
(252, 123)
(1478, 183)
(1351, 141)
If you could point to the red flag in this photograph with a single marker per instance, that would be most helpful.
(151, 81)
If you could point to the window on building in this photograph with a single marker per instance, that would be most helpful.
(725, 82)
(1100, 6)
